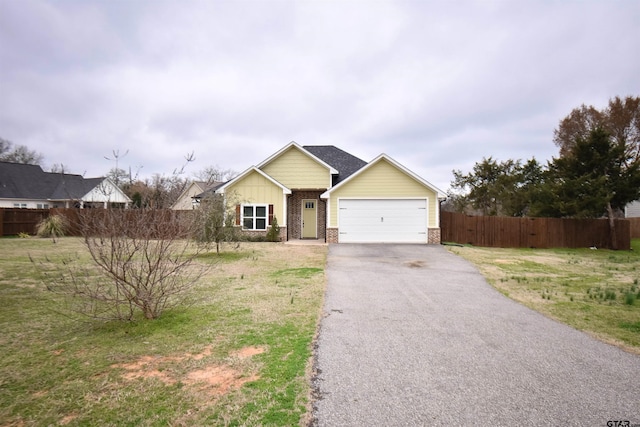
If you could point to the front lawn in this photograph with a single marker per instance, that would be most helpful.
(237, 355)
(597, 291)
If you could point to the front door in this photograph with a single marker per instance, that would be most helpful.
(309, 219)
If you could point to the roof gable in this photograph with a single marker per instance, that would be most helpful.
(295, 145)
(223, 187)
(383, 157)
(103, 190)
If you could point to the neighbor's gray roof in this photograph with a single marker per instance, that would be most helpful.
(210, 189)
(346, 164)
(20, 181)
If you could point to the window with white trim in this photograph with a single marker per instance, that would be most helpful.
(42, 206)
(254, 217)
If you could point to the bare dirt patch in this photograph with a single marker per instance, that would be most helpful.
(247, 352)
(213, 379)
(217, 380)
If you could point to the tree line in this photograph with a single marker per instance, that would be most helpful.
(596, 174)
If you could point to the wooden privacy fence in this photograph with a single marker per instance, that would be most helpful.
(507, 232)
(635, 227)
(14, 221)
(488, 231)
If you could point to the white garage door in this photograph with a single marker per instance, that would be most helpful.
(382, 220)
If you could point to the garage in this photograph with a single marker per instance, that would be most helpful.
(382, 220)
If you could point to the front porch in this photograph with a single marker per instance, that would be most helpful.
(306, 216)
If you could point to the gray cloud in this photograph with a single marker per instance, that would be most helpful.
(436, 85)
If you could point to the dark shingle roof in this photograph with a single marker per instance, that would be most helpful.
(20, 181)
(210, 189)
(345, 163)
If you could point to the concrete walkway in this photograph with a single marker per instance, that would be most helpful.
(306, 242)
(414, 336)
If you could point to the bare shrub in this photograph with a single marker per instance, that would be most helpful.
(143, 260)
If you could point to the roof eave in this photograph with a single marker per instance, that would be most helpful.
(222, 188)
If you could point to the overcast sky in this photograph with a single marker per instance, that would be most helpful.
(436, 85)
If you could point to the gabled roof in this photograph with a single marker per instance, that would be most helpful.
(332, 170)
(21, 181)
(204, 187)
(224, 186)
(74, 187)
(439, 193)
(210, 189)
(345, 163)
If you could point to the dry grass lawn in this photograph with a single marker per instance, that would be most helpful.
(596, 291)
(238, 354)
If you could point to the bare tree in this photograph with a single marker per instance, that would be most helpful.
(59, 168)
(212, 174)
(18, 153)
(141, 260)
(621, 120)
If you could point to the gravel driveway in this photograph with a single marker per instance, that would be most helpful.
(413, 336)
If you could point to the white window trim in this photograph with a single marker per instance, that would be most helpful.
(254, 206)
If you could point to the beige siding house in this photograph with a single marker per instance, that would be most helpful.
(190, 197)
(323, 192)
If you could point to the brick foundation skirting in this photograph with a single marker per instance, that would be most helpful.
(433, 237)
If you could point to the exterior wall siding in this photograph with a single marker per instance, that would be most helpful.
(255, 188)
(294, 220)
(185, 202)
(632, 210)
(294, 169)
(383, 180)
(24, 203)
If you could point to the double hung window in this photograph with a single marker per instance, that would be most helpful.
(254, 217)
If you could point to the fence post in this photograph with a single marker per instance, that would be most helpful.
(1, 222)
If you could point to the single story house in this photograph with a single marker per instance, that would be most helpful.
(28, 186)
(323, 192)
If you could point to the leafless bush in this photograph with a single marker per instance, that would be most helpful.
(143, 259)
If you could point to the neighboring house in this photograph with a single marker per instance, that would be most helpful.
(322, 192)
(632, 210)
(28, 186)
(190, 197)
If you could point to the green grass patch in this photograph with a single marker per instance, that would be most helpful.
(303, 272)
(226, 256)
(237, 354)
(593, 290)
(633, 327)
